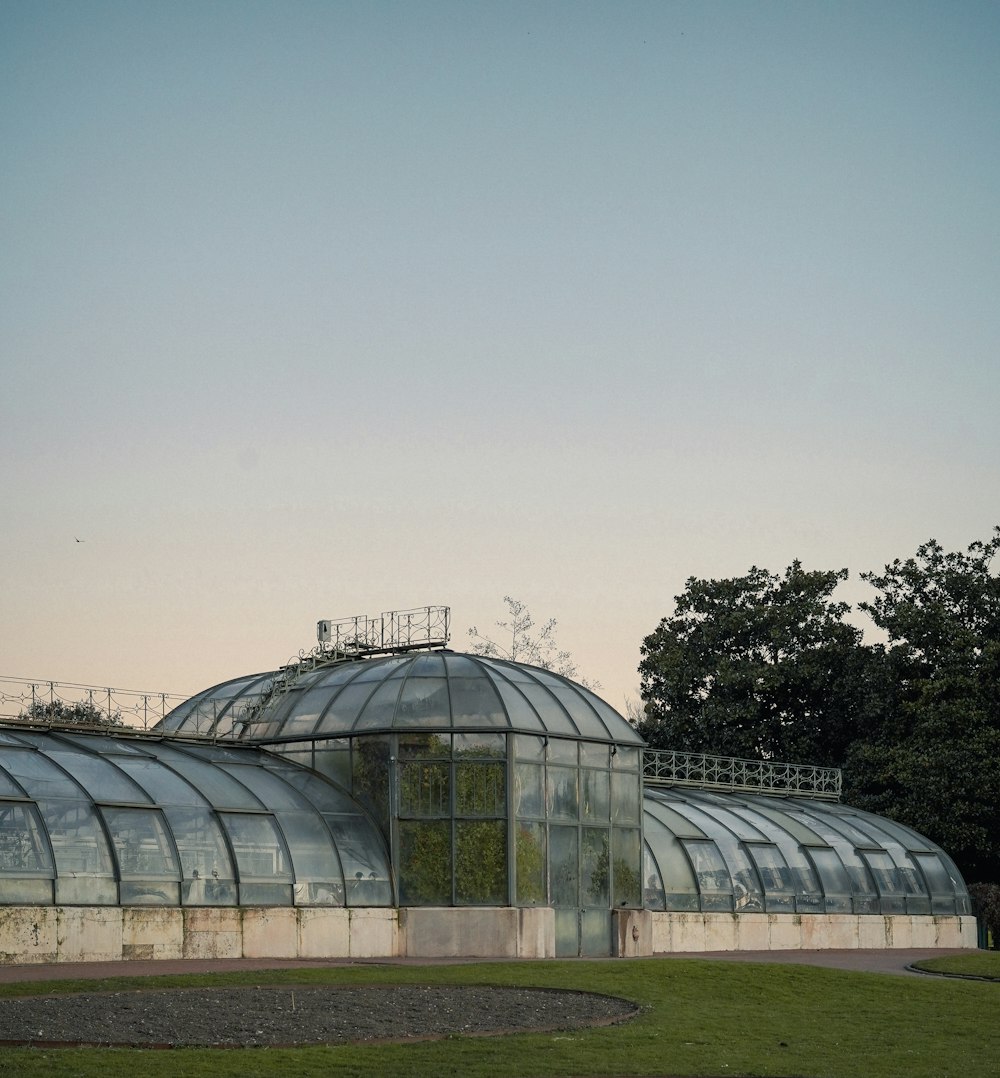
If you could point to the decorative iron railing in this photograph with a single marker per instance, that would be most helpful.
(392, 630)
(671, 768)
(38, 701)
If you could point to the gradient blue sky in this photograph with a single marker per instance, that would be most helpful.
(313, 309)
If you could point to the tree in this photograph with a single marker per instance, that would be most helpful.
(523, 646)
(759, 666)
(933, 758)
(60, 713)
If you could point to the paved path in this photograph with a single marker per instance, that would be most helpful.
(883, 961)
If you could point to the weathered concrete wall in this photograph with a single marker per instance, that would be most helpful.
(786, 931)
(36, 934)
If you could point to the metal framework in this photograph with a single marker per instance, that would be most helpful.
(39, 700)
(390, 631)
(672, 768)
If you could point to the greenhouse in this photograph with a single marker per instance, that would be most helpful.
(408, 799)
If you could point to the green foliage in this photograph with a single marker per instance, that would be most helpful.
(766, 666)
(529, 854)
(60, 713)
(698, 1017)
(756, 666)
(986, 906)
(481, 862)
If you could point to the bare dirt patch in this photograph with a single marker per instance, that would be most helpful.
(284, 1016)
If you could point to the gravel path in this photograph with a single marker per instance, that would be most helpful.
(272, 1016)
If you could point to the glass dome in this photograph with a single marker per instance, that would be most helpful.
(746, 853)
(440, 690)
(92, 819)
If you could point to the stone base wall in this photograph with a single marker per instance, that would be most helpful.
(672, 932)
(36, 934)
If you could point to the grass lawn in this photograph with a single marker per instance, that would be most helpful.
(699, 1018)
(975, 963)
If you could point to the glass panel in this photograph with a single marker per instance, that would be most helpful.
(424, 789)
(626, 867)
(149, 893)
(714, 883)
(626, 797)
(528, 798)
(86, 891)
(480, 746)
(260, 851)
(101, 779)
(221, 789)
(564, 866)
(595, 795)
(265, 894)
(529, 748)
(884, 871)
(562, 793)
(674, 868)
(366, 867)
(480, 789)
(627, 759)
(530, 867)
(779, 888)
(594, 883)
(938, 880)
(8, 787)
(561, 751)
(481, 862)
(36, 891)
(273, 791)
(652, 892)
(310, 846)
(545, 704)
(333, 761)
(567, 933)
(22, 843)
(521, 714)
(427, 666)
(671, 816)
(370, 778)
(318, 893)
(163, 785)
(77, 838)
(424, 702)
(205, 862)
(141, 842)
(474, 702)
(344, 711)
(834, 879)
(380, 711)
(593, 755)
(595, 933)
(414, 746)
(39, 776)
(425, 863)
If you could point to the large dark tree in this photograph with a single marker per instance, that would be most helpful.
(759, 666)
(933, 759)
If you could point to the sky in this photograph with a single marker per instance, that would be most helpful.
(315, 309)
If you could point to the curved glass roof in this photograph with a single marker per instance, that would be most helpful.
(90, 819)
(440, 690)
(756, 853)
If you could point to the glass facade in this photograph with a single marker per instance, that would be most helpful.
(738, 852)
(87, 819)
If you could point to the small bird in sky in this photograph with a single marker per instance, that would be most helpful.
(80, 540)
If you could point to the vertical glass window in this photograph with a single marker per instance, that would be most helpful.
(481, 862)
(595, 796)
(529, 781)
(715, 886)
(22, 846)
(562, 794)
(626, 867)
(529, 855)
(626, 797)
(594, 883)
(370, 777)
(425, 863)
(653, 897)
(564, 866)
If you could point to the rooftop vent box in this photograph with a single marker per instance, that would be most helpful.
(323, 632)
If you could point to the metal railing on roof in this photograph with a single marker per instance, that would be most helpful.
(671, 768)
